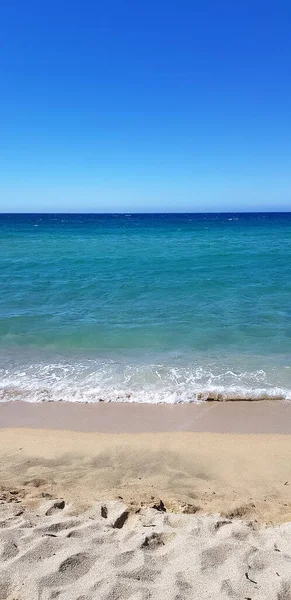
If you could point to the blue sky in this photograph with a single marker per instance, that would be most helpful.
(145, 106)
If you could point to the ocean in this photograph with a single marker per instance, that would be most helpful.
(145, 308)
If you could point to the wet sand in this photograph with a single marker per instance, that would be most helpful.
(265, 416)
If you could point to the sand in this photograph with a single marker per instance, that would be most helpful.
(262, 416)
(51, 553)
(233, 474)
(161, 515)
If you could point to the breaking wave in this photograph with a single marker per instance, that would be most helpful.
(108, 381)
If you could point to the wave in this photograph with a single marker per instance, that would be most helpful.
(108, 381)
(8, 394)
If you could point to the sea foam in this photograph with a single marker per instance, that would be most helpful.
(107, 381)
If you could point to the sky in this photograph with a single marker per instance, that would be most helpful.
(156, 106)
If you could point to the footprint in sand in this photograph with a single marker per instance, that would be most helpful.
(144, 574)
(214, 557)
(44, 548)
(10, 550)
(70, 569)
(60, 526)
(75, 533)
(118, 591)
(124, 559)
(184, 588)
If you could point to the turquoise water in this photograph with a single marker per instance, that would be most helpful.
(145, 308)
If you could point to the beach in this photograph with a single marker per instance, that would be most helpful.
(113, 507)
(145, 301)
(145, 414)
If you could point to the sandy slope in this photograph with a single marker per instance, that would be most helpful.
(237, 475)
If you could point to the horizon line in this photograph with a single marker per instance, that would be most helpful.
(124, 213)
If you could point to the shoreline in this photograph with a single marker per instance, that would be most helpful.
(243, 417)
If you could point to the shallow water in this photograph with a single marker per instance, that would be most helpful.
(146, 308)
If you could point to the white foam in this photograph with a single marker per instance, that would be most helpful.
(109, 381)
